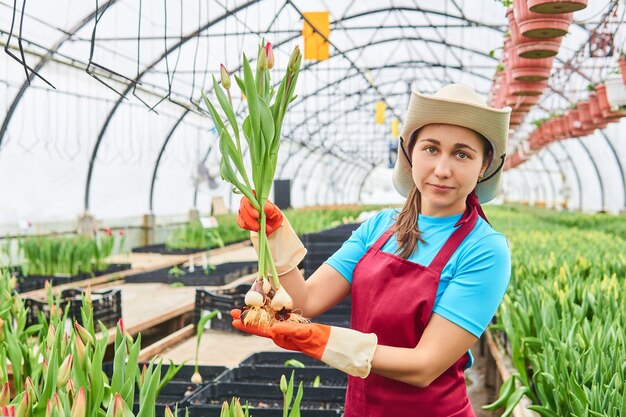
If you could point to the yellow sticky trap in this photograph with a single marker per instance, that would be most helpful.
(380, 112)
(395, 127)
(315, 45)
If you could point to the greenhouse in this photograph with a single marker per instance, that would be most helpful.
(312, 208)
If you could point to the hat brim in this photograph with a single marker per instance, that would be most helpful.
(490, 122)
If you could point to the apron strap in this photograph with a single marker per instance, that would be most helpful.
(382, 240)
(453, 242)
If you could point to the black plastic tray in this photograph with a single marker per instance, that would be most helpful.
(222, 274)
(222, 300)
(266, 402)
(329, 378)
(278, 359)
(107, 306)
(36, 282)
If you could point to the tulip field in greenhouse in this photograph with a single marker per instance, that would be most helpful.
(561, 325)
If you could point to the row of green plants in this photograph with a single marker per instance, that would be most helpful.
(302, 220)
(54, 370)
(562, 318)
(67, 255)
(194, 235)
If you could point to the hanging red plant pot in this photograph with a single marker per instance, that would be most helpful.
(556, 6)
(527, 88)
(585, 116)
(557, 128)
(526, 69)
(521, 102)
(531, 48)
(605, 107)
(539, 25)
(517, 118)
(596, 114)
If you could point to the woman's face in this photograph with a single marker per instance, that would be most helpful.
(447, 161)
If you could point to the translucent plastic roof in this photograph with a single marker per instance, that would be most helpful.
(112, 124)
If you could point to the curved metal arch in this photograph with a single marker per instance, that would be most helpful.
(596, 169)
(195, 190)
(618, 162)
(42, 62)
(367, 174)
(351, 187)
(158, 161)
(172, 48)
(558, 162)
(545, 169)
(423, 11)
(339, 174)
(575, 168)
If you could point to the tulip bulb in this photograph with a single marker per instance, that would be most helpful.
(282, 300)
(196, 378)
(255, 296)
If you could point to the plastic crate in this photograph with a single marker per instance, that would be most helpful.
(265, 401)
(36, 282)
(331, 379)
(222, 300)
(278, 359)
(107, 306)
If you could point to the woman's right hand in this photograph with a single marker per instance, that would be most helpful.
(248, 217)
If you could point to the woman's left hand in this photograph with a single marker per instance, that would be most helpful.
(348, 350)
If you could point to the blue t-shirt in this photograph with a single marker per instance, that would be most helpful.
(473, 281)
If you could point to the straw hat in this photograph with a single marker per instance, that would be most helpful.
(460, 105)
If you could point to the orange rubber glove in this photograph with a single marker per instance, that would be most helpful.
(348, 350)
(248, 217)
(284, 245)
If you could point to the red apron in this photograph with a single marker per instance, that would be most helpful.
(394, 298)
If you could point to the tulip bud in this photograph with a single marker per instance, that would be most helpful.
(294, 59)
(8, 410)
(24, 407)
(118, 406)
(88, 295)
(58, 404)
(283, 384)
(238, 409)
(269, 54)
(49, 408)
(5, 394)
(262, 63)
(16, 307)
(70, 386)
(44, 366)
(84, 334)
(64, 371)
(168, 412)
(1, 330)
(225, 77)
(79, 349)
(79, 407)
(30, 388)
(12, 282)
(120, 324)
(225, 410)
(50, 337)
(46, 285)
(142, 377)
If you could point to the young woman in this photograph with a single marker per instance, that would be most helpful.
(425, 281)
